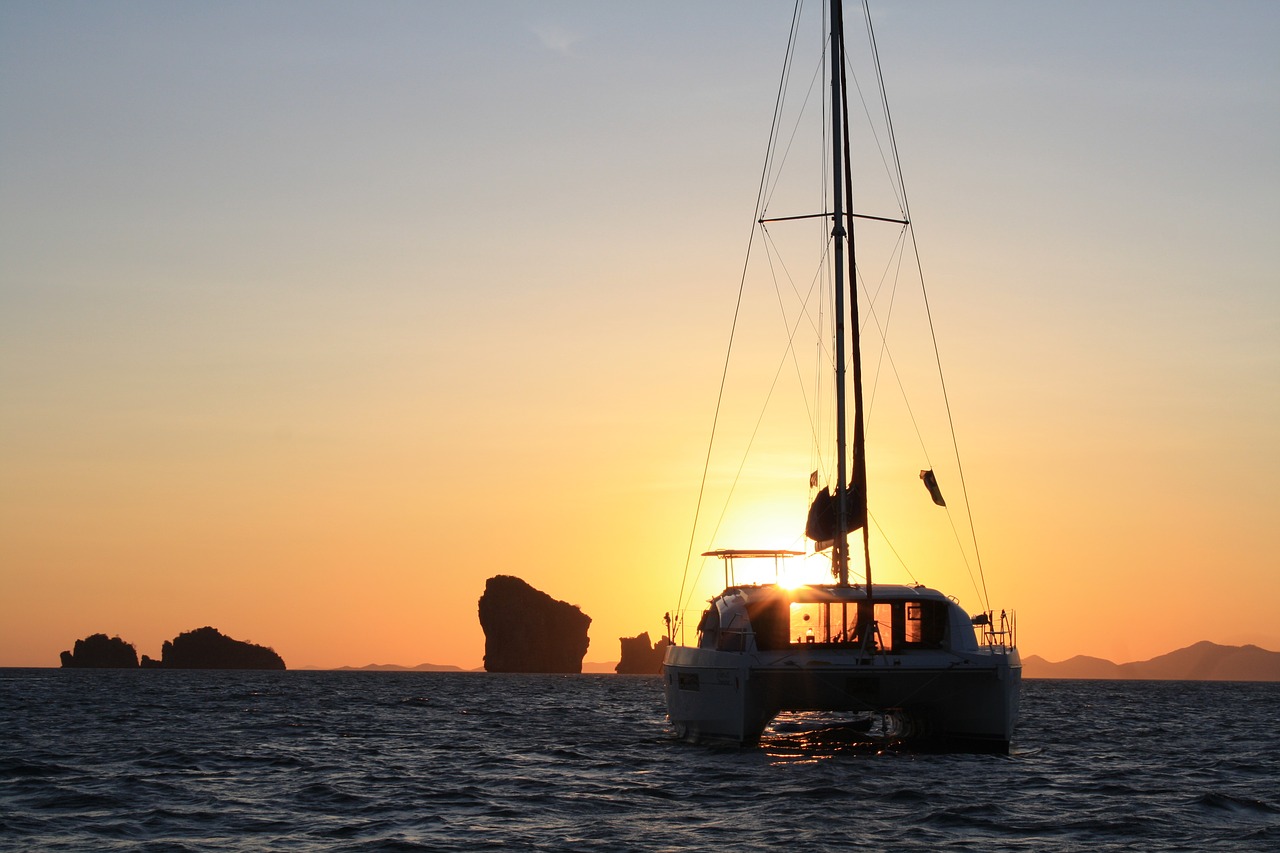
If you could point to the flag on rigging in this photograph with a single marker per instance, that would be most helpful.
(931, 483)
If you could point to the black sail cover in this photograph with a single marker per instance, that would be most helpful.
(821, 525)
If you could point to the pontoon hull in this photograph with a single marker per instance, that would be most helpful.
(964, 703)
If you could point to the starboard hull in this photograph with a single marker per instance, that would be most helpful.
(963, 703)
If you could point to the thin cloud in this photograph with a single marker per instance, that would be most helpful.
(556, 38)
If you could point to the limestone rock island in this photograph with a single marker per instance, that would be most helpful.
(208, 648)
(98, 651)
(526, 630)
(640, 656)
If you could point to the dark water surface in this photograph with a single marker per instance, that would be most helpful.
(148, 760)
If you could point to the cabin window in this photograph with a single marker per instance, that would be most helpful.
(810, 623)
(885, 623)
(824, 622)
(926, 622)
(899, 624)
(915, 622)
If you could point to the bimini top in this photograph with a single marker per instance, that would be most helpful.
(731, 554)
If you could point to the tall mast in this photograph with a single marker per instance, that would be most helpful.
(842, 183)
(840, 551)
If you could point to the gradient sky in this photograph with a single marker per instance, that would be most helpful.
(314, 315)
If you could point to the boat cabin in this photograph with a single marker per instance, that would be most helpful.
(897, 620)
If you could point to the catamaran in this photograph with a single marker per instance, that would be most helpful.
(906, 655)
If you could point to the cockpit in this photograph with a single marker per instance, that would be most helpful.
(770, 618)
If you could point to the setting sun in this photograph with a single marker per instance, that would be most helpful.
(303, 365)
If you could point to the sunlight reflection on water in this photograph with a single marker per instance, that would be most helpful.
(449, 761)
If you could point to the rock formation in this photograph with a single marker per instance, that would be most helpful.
(98, 651)
(526, 630)
(640, 656)
(207, 648)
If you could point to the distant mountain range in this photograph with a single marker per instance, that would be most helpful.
(1204, 661)
(587, 666)
(395, 667)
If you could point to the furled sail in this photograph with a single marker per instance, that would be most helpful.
(823, 513)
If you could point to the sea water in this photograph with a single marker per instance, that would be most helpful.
(186, 760)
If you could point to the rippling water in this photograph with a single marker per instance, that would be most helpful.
(101, 760)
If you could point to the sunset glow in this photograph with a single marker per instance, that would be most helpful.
(314, 318)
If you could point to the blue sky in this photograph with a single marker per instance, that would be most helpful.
(383, 256)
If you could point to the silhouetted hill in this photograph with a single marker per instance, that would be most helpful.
(640, 656)
(526, 630)
(600, 667)
(395, 667)
(98, 651)
(1080, 666)
(1204, 661)
(208, 648)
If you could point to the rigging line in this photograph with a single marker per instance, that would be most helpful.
(893, 366)
(737, 309)
(887, 355)
(793, 328)
(771, 153)
(771, 248)
(883, 330)
(751, 441)
(892, 549)
(786, 152)
(906, 208)
(955, 444)
(790, 351)
(871, 126)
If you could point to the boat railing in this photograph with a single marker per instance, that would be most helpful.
(998, 632)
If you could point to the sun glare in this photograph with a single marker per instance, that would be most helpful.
(790, 580)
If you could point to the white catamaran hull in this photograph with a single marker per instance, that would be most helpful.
(967, 702)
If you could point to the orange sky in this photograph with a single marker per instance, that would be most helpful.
(310, 324)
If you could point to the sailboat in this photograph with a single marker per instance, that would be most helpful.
(906, 655)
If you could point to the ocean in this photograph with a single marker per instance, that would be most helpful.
(238, 761)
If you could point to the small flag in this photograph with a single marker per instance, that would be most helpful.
(931, 484)
(813, 480)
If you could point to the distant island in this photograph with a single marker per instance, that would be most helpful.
(203, 648)
(98, 651)
(395, 667)
(640, 656)
(526, 630)
(1204, 661)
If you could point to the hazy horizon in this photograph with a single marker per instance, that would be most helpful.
(606, 661)
(315, 316)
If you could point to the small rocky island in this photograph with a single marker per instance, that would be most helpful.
(526, 630)
(640, 656)
(203, 648)
(98, 651)
(208, 648)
